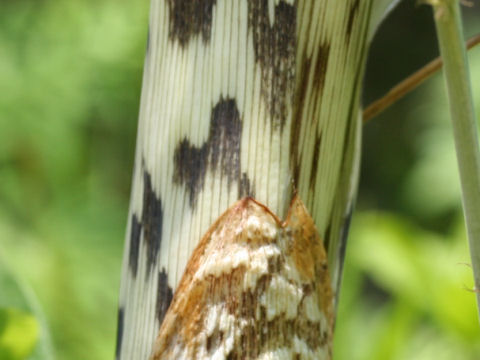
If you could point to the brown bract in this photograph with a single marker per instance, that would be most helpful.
(254, 288)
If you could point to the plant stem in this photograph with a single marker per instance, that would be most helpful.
(450, 36)
(409, 84)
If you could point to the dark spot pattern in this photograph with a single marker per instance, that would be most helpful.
(152, 221)
(189, 18)
(315, 160)
(351, 126)
(318, 70)
(119, 332)
(327, 236)
(221, 151)
(164, 296)
(135, 231)
(190, 167)
(275, 49)
(245, 188)
(351, 18)
(321, 69)
(301, 96)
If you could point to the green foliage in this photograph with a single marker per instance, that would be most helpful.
(23, 331)
(417, 290)
(71, 74)
(18, 334)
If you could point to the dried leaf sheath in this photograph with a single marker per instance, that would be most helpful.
(254, 287)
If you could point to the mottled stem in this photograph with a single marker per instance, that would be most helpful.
(244, 97)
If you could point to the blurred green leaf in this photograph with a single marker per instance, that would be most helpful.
(71, 74)
(432, 187)
(23, 330)
(18, 334)
(426, 272)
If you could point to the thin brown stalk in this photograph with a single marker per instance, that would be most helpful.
(409, 84)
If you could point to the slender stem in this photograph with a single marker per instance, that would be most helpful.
(450, 36)
(409, 84)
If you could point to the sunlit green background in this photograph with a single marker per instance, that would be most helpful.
(70, 78)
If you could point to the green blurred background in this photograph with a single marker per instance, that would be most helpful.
(70, 79)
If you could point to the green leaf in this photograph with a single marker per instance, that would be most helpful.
(23, 330)
(19, 333)
(420, 268)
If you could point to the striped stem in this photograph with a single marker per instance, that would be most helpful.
(243, 97)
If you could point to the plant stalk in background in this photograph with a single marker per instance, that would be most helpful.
(450, 36)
